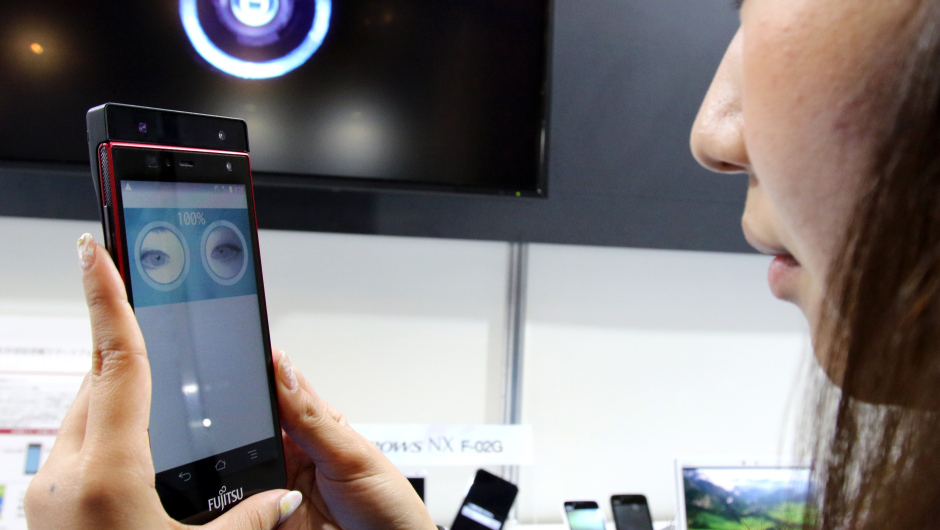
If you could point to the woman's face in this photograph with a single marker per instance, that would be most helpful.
(795, 105)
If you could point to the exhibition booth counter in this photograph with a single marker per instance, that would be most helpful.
(657, 525)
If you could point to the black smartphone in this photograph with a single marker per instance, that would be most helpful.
(631, 512)
(584, 515)
(178, 213)
(487, 503)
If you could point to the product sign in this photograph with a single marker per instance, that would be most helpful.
(446, 444)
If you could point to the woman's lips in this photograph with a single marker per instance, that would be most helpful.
(783, 276)
(784, 271)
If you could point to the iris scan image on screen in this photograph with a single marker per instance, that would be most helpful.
(743, 498)
(195, 297)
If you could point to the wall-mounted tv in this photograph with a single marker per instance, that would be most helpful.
(408, 94)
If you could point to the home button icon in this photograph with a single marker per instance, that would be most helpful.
(220, 465)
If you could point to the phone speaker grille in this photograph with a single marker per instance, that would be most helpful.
(105, 175)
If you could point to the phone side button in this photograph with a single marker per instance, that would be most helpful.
(108, 231)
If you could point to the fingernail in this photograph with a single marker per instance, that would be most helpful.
(86, 251)
(289, 504)
(287, 370)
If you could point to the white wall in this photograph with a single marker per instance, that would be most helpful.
(632, 356)
(39, 271)
(636, 357)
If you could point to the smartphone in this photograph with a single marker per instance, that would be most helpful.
(584, 515)
(417, 481)
(178, 213)
(631, 512)
(487, 503)
(33, 452)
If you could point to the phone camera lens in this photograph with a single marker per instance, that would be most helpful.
(151, 161)
(142, 127)
(221, 135)
(228, 166)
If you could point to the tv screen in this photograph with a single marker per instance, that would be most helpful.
(433, 94)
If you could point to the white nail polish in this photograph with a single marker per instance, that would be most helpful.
(86, 251)
(288, 505)
(290, 378)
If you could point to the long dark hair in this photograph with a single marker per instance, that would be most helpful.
(876, 452)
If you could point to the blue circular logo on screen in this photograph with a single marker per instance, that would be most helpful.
(256, 39)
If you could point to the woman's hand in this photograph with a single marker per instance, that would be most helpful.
(100, 474)
(346, 481)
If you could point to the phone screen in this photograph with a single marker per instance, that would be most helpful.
(632, 515)
(195, 297)
(487, 503)
(191, 260)
(584, 516)
(33, 452)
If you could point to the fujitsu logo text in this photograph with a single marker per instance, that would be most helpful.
(224, 499)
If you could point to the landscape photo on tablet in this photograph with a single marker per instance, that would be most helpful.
(736, 498)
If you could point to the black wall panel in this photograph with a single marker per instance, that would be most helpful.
(627, 80)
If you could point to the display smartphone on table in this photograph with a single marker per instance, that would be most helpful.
(631, 512)
(487, 503)
(584, 515)
(179, 222)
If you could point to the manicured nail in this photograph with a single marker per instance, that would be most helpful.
(289, 504)
(86, 251)
(287, 370)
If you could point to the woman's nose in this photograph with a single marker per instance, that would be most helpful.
(718, 133)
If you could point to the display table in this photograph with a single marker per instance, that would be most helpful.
(657, 525)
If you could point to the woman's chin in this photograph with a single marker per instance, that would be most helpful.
(783, 276)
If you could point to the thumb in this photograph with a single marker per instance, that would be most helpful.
(119, 393)
(259, 512)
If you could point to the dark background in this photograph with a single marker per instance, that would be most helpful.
(627, 77)
(405, 91)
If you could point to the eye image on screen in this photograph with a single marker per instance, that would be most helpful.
(256, 39)
(162, 258)
(223, 252)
